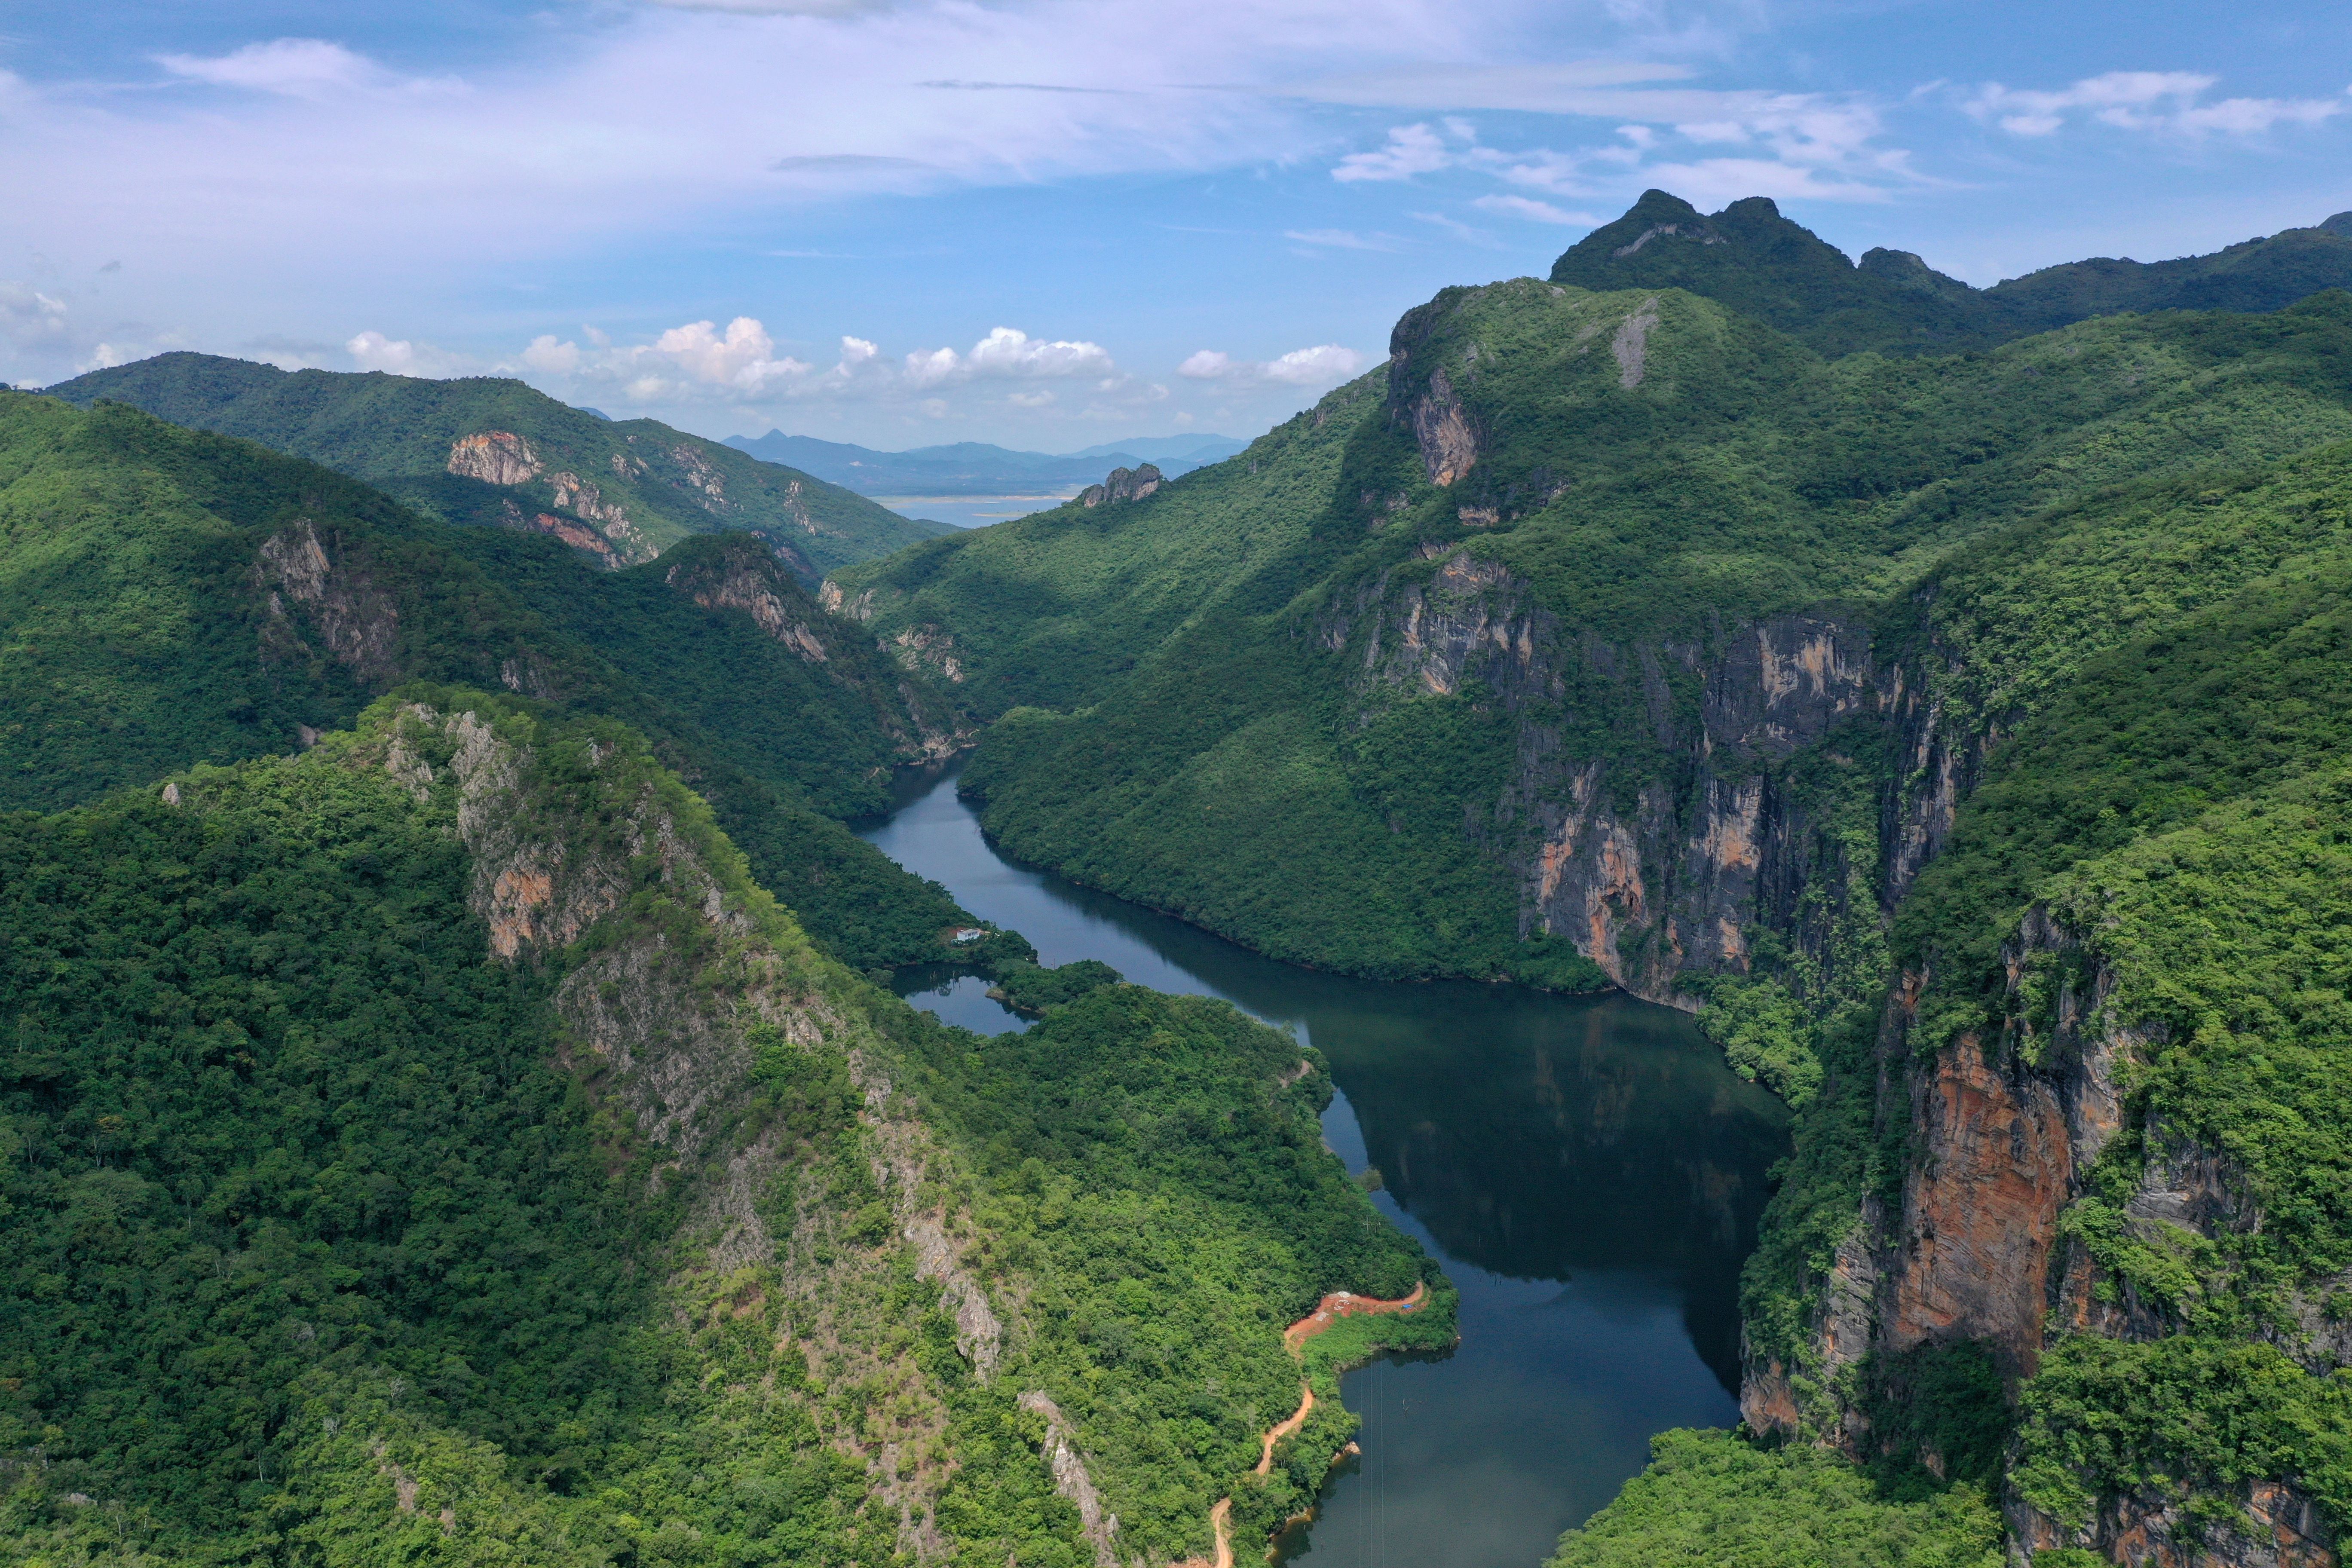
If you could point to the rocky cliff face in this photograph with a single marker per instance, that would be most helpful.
(2004, 1132)
(694, 972)
(310, 593)
(1123, 484)
(1663, 855)
(747, 578)
(1656, 856)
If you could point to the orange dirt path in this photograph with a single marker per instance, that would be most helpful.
(1330, 1309)
(1276, 1433)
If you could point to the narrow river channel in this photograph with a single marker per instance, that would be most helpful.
(1587, 1173)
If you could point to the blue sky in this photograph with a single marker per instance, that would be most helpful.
(1047, 223)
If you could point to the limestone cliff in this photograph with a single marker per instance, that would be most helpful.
(1123, 485)
(1659, 850)
(693, 972)
(737, 575)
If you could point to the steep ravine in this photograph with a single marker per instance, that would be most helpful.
(1729, 816)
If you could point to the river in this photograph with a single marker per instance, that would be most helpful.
(1586, 1171)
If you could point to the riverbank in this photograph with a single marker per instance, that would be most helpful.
(1585, 1172)
(1329, 1313)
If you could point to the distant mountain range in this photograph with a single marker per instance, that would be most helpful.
(1763, 265)
(975, 468)
(485, 449)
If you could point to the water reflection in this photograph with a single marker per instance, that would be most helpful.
(1586, 1171)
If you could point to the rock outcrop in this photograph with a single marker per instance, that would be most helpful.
(307, 588)
(1123, 484)
(666, 1015)
(494, 458)
(749, 582)
(1655, 882)
(1071, 1481)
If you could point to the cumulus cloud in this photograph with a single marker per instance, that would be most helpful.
(741, 359)
(1410, 150)
(545, 353)
(1326, 365)
(741, 364)
(372, 349)
(2168, 101)
(1008, 352)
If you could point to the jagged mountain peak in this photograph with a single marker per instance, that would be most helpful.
(1762, 264)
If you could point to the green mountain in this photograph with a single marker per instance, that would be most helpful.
(435, 1147)
(1961, 735)
(1751, 259)
(489, 451)
(427, 1138)
(169, 597)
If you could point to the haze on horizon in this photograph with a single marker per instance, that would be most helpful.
(1049, 224)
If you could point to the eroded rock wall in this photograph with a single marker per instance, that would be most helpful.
(660, 1013)
(1657, 857)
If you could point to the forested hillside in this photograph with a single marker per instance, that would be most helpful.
(1957, 733)
(169, 597)
(493, 451)
(434, 1147)
(429, 1140)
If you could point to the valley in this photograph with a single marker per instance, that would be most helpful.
(1759, 839)
(1587, 1172)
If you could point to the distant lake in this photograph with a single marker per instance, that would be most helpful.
(1586, 1169)
(975, 511)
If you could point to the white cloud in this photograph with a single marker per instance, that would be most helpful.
(1730, 179)
(1340, 238)
(29, 317)
(1007, 352)
(741, 365)
(372, 349)
(1566, 88)
(1326, 365)
(1538, 212)
(742, 359)
(546, 354)
(311, 69)
(1412, 150)
(2164, 101)
(1542, 169)
(1805, 144)
(1458, 229)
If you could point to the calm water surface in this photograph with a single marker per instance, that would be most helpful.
(1587, 1172)
(977, 511)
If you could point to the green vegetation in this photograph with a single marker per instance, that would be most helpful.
(2090, 583)
(1756, 261)
(137, 635)
(1287, 763)
(1027, 988)
(635, 486)
(1710, 1499)
(2189, 1420)
(1053, 609)
(329, 1239)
